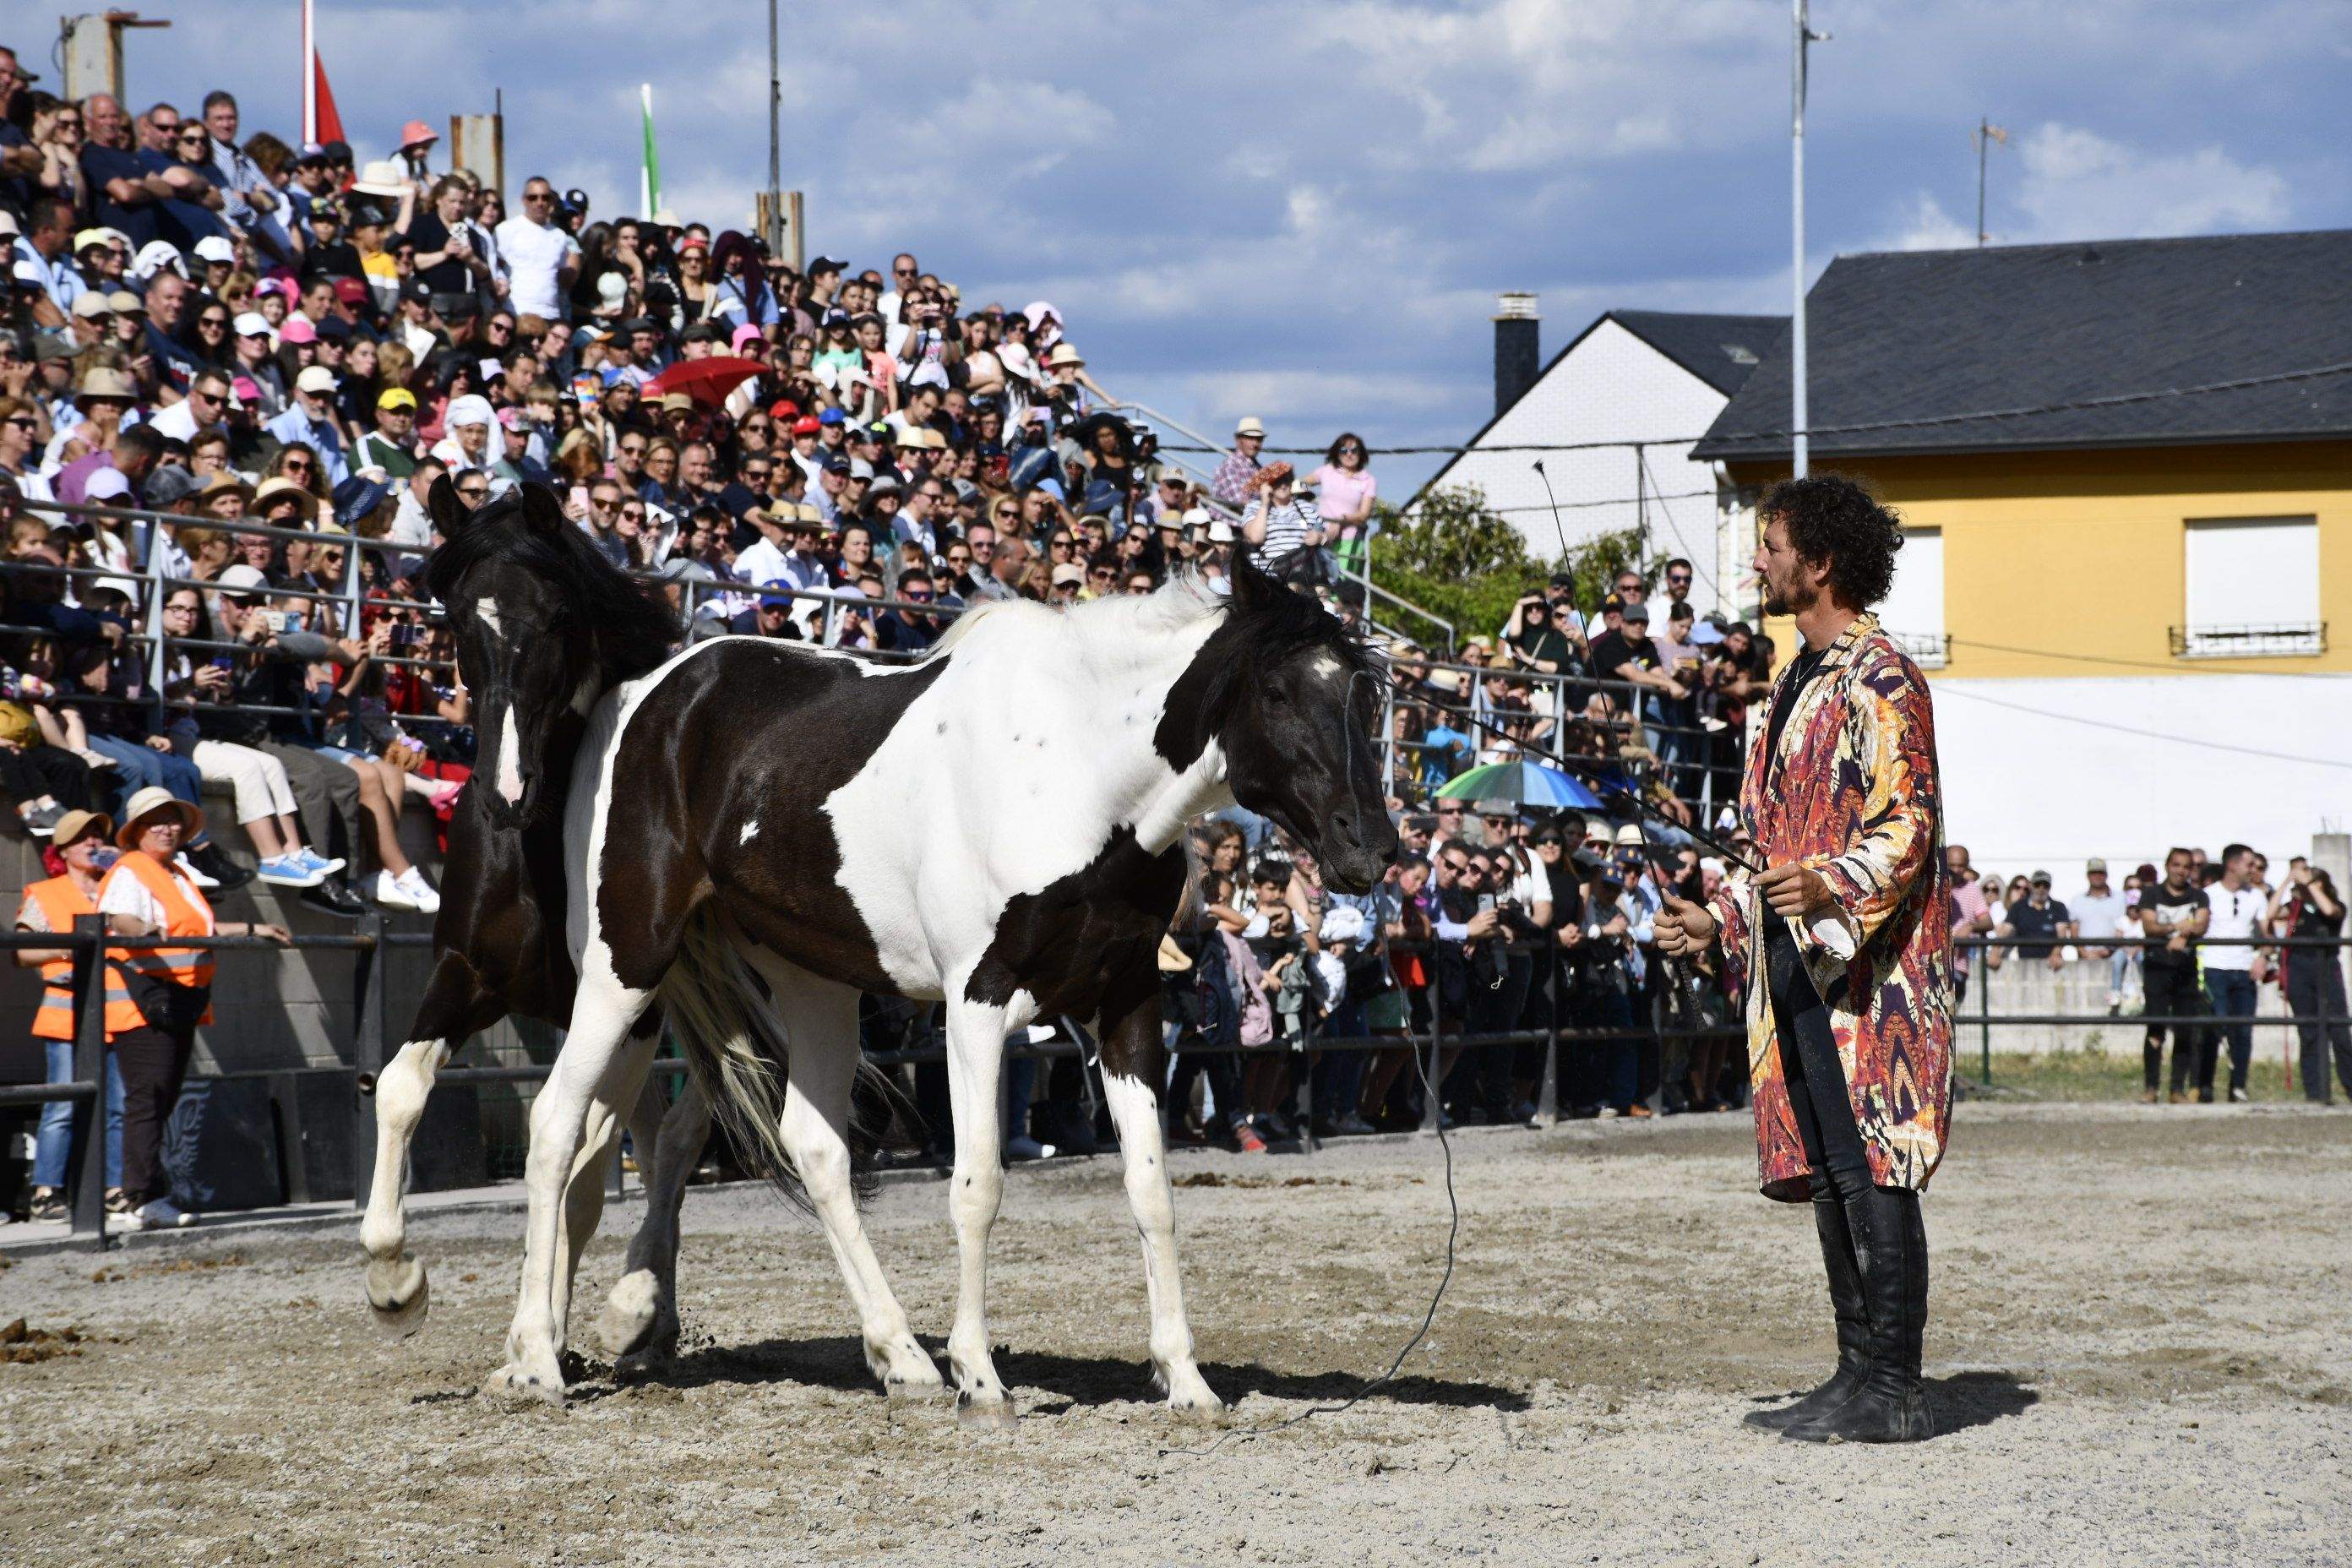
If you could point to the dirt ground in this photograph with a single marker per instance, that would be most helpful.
(2140, 1348)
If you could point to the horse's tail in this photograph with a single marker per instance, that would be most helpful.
(734, 1040)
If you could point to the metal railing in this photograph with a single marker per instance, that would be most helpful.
(1984, 1020)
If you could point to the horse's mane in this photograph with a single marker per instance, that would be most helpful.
(633, 629)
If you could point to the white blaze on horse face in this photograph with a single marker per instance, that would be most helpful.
(750, 831)
(1326, 667)
(510, 759)
(485, 610)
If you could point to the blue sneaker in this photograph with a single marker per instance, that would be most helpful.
(286, 872)
(311, 857)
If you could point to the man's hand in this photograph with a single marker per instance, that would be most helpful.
(1483, 923)
(1794, 890)
(2057, 959)
(2176, 942)
(1683, 927)
(158, 744)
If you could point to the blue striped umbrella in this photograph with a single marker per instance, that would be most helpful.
(1524, 784)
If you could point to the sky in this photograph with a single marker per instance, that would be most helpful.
(1304, 212)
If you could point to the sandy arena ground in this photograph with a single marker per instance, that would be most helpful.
(2140, 1349)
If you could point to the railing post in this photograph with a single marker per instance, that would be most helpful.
(1303, 1099)
(1984, 1007)
(367, 1050)
(351, 586)
(1548, 1096)
(155, 594)
(90, 1067)
(1434, 1085)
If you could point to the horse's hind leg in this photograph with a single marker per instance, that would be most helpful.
(456, 1005)
(820, 1034)
(640, 1318)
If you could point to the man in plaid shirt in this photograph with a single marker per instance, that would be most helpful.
(1235, 481)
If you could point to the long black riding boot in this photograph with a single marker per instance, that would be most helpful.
(1853, 1326)
(1890, 1244)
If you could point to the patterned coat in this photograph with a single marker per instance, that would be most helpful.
(1852, 792)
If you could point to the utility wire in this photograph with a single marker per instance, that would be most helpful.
(1922, 421)
(1621, 501)
(1947, 690)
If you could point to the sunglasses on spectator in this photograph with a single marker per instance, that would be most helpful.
(539, 195)
(473, 492)
(917, 595)
(299, 466)
(604, 502)
(958, 558)
(1066, 587)
(1102, 574)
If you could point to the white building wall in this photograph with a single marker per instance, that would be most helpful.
(1612, 386)
(2028, 784)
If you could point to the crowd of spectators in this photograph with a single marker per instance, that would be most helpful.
(2154, 939)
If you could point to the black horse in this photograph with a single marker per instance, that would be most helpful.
(544, 627)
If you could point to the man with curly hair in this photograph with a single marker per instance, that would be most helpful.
(1841, 947)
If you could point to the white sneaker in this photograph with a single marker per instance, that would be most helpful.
(162, 1214)
(386, 890)
(188, 869)
(420, 892)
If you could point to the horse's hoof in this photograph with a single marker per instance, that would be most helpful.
(1208, 1412)
(914, 1387)
(398, 1296)
(516, 1384)
(633, 1316)
(983, 1415)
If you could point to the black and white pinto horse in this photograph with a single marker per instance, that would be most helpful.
(758, 830)
(544, 627)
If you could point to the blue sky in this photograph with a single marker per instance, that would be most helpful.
(1305, 211)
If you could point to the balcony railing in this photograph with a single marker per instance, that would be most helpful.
(2259, 639)
(1929, 650)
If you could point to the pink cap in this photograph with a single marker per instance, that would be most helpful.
(510, 417)
(417, 131)
(746, 333)
(298, 330)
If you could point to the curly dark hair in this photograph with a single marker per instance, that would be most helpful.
(1834, 518)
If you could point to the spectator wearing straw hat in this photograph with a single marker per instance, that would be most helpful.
(1236, 479)
(157, 997)
(82, 844)
(309, 420)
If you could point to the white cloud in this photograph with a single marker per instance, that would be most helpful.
(2079, 184)
(1925, 225)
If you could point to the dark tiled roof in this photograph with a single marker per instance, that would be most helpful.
(1718, 350)
(1929, 335)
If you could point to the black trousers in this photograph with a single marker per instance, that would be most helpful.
(37, 771)
(153, 1063)
(2173, 992)
(2315, 989)
(1816, 1079)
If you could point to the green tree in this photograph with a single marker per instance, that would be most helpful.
(1456, 557)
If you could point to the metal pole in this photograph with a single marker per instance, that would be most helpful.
(1984, 126)
(1641, 513)
(775, 234)
(90, 1067)
(1434, 1098)
(1799, 458)
(155, 596)
(1548, 1096)
(367, 1051)
(1984, 1008)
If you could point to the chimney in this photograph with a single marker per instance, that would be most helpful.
(1515, 358)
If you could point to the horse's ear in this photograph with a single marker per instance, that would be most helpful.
(448, 512)
(1253, 588)
(541, 512)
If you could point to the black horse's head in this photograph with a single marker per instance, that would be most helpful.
(1290, 696)
(543, 624)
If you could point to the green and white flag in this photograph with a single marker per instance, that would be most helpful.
(649, 176)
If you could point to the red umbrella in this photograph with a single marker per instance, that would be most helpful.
(707, 381)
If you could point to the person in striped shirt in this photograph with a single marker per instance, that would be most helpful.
(1285, 534)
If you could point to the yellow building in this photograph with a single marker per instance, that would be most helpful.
(2125, 471)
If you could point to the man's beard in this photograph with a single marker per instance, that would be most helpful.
(1785, 602)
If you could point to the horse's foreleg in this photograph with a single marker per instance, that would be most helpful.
(584, 1195)
(976, 1190)
(456, 1005)
(1134, 1063)
(640, 1318)
(585, 1070)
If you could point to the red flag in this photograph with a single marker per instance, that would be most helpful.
(330, 124)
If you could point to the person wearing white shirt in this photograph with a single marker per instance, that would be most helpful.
(206, 404)
(2099, 912)
(541, 257)
(2235, 909)
(311, 419)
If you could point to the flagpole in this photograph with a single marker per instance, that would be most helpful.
(309, 76)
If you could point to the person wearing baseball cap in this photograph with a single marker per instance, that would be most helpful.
(310, 419)
(391, 445)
